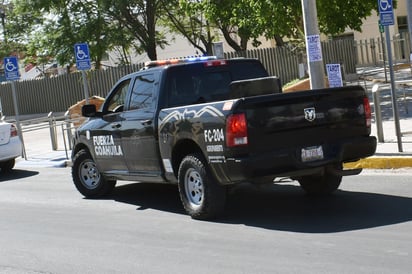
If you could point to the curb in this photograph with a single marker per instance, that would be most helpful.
(381, 162)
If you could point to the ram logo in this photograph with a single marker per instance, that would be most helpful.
(310, 114)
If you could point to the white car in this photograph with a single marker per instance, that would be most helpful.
(10, 146)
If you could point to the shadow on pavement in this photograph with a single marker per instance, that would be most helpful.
(154, 196)
(287, 208)
(283, 207)
(16, 174)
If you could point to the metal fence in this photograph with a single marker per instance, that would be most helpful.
(371, 52)
(57, 94)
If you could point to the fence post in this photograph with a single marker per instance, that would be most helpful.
(69, 128)
(373, 51)
(52, 126)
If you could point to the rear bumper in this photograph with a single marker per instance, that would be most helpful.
(288, 162)
(11, 150)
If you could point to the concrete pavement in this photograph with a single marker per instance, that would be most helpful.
(39, 151)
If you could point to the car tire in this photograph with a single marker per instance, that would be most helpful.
(202, 196)
(87, 178)
(320, 184)
(7, 166)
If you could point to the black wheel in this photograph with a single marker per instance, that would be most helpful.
(7, 166)
(202, 197)
(320, 184)
(87, 178)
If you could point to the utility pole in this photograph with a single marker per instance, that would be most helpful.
(409, 9)
(313, 45)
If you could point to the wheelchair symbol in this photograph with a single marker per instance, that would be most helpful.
(81, 54)
(384, 5)
(10, 65)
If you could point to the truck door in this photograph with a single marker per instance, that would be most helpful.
(106, 137)
(138, 128)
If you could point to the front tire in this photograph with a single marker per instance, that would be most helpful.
(202, 196)
(87, 177)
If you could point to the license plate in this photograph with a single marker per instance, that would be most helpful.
(312, 154)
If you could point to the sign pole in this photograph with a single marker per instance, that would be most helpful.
(11, 72)
(387, 19)
(381, 31)
(16, 111)
(393, 90)
(85, 86)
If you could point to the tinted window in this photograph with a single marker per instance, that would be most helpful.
(247, 70)
(195, 83)
(118, 97)
(142, 93)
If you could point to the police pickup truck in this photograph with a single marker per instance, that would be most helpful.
(207, 124)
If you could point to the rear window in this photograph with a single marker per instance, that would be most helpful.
(195, 83)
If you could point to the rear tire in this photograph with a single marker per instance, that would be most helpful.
(7, 166)
(87, 177)
(202, 196)
(320, 184)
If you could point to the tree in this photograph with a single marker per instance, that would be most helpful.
(139, 18)
(53, 27)
(284, 17)
(187, 18)
(242, 21)
(336, 16)
(237, 20)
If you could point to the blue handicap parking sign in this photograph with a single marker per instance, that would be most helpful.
(386, 12)
(11, 68)
(82, 55)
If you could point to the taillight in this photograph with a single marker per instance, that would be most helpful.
(236, 130)
(215, 63)
(13, 131)
(368, 112)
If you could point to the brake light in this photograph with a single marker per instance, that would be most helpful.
(368, 111)
(236, 130)
(13, 131)
(215, 63)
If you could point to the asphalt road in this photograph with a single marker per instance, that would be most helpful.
(47, 227)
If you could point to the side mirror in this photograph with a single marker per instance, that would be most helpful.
(89, 110)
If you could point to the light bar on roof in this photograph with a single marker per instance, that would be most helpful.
(178, 61)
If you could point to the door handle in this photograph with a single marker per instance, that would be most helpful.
(147, 122)
(116, 125)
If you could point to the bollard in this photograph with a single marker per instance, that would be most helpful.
(378, 116)
(52, 126)
(69, 129)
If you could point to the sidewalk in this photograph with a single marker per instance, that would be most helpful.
(388, 155)
(39, 150)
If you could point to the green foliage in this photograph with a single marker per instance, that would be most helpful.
(50, 28)
(139, 18)
(187, 18)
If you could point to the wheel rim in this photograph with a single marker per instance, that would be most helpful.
(194, 187)
(89, 174)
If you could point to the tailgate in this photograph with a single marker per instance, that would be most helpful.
(304, 119)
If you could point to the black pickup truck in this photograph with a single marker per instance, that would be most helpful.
(207, 124)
